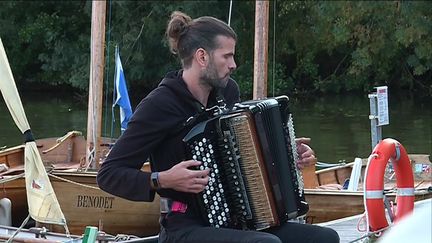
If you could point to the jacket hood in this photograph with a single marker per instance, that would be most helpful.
(174, 81)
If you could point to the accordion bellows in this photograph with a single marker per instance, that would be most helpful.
(254, 182)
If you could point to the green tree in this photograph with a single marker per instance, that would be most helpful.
(48, 41)
(354, 45)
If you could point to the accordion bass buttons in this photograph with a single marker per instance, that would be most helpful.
(213, 197)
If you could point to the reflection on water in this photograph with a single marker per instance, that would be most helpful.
(338, 125)
(49, 115)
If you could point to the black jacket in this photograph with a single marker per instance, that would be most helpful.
(155, 130)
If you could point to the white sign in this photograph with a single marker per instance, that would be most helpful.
(382, 97)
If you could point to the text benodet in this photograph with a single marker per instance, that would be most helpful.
(94, 201)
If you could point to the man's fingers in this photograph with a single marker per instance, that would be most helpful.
(200, 173)
(190, 163)
(307, 152)
(196, 188)
(307, 161)
(201, 181)
(303, 140)
(304, 150)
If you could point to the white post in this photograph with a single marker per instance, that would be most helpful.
(378, 113)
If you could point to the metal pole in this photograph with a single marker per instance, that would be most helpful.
(229, 14)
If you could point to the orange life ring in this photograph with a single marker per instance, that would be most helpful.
(388, 149)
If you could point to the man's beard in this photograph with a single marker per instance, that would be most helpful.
(210, 77)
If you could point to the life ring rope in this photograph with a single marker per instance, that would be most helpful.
(364, 186)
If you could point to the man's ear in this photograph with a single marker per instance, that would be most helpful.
(201, 56)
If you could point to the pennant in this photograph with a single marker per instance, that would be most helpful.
(121, 93)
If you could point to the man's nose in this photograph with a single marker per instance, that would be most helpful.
(233, 66)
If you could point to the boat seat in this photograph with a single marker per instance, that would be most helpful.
(330, 187)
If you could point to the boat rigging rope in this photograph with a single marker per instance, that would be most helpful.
(374, 233)
(123, 237)
(107, 69)
(91, 155)
(274, 49)
(229, 13)
(24, 223)
(11, 239)
(11, 178)
(73, 182)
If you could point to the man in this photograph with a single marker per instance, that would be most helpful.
(206, 48)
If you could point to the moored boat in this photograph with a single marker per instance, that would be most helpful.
(82, 202)
(329, 201)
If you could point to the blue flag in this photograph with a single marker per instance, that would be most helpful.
(121, 93)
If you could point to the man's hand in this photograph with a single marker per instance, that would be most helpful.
(183, 179)
(305, 153)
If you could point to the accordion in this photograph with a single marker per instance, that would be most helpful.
(251, 153)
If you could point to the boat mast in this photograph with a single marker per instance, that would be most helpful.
(261, 49)
(97, 63)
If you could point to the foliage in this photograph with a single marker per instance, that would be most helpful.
(319, 46)
(355, 45)
(47, 42)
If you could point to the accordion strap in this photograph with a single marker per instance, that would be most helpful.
(168, 205)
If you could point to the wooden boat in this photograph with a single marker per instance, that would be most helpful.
(12, 161)
(328, 201)
(80, 199)
(83, 203)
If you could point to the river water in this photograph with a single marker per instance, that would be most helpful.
(338, 125)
